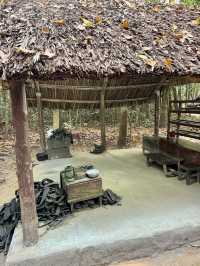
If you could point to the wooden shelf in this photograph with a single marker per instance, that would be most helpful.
(188, 123)
(190, 107)
(190, 134)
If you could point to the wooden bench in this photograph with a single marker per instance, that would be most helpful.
(189, 168)
(154, 154)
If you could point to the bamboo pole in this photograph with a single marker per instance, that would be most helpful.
(24, 165)
(41, 122)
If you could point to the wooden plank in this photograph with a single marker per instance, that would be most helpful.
(41, 122)
(24, 163)
(123, 127)
(56, 118)
(102, 118)
(187, 123)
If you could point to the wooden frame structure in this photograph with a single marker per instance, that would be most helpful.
(184, 107)
(74, 74)
(142, 92)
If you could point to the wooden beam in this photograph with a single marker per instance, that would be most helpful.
(89, 102)
(24, 164)
(41, 122)
(98, 88)
(123, 127)
(157, 113)
(102, 118)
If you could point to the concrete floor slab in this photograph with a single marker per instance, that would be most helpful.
(152, 205)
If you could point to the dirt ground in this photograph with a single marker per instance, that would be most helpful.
(8, 178)
(186, 256)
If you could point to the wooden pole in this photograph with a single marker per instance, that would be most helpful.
(56, 118)
(41, 122)
(123, 127)
(24, 165)
(157, 113)
(102, 118)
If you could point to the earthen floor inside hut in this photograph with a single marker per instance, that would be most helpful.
(151, 204)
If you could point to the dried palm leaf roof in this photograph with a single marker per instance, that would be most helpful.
(107, 38)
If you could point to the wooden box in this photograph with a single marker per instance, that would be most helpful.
(82, 189)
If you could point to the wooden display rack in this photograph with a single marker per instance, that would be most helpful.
(191, 127)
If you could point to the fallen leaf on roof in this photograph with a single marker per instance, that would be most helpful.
(147, 48)
(196, 22)
(168, 63)
(21, 50)
(182, 36)
(151, 62)
(148, 60)
(156, 9)
(174, 27)
(45, 29)
(143, 57)
(59, 22)
(98, 20)
(124, 24)
(87, 23)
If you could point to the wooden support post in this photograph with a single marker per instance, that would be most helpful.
(41, 122)
(56, 118)
(178, 118)
(24, 165)
(123, 127)
(157, 113)
(102, 118)
(169, 119)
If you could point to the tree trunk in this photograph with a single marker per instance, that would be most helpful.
(24, 164)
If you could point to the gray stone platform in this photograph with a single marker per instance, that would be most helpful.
(156, 213)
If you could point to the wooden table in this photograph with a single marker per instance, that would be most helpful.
(82, 189)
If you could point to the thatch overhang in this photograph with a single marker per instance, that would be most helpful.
(72, 48)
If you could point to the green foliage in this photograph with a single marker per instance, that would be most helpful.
(186, 2)
(191, 2)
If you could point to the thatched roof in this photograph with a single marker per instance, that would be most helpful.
(93, 39)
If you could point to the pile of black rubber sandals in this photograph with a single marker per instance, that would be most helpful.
(51, 206)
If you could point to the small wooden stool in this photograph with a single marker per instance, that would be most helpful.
(189, 172)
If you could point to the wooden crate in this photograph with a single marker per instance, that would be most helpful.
(82, 189)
